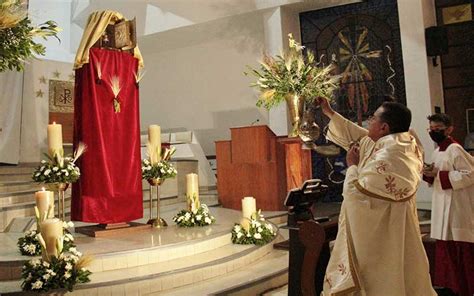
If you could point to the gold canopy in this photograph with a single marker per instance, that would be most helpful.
(96, 25)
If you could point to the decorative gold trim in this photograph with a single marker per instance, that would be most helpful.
(374, 195)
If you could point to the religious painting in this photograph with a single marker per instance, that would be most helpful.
(61, 106)
(363, 41)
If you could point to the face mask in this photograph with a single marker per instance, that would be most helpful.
(438, 136)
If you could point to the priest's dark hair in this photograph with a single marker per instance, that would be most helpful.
(441, 117)
(397, 116)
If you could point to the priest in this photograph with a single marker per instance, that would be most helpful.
(378, 249)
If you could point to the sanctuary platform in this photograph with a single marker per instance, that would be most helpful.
(169, 261)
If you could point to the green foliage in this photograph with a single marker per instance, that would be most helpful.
(260, 232)
(57, 169)
(59, 273)
(164, 169)
(199, 217)
(29, 244)
(292, 73)
(18, 45)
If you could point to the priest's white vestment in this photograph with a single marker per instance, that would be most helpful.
(378, 249)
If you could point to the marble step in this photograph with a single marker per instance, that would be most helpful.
(175, 274)
(20, 209)
(200, 254)
(17, 169)
(269, 272)
(16, 177)
(14, 186)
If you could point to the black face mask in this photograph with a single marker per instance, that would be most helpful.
(437, 136)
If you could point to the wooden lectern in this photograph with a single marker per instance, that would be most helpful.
(255, 162)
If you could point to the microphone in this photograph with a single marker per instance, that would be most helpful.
(254, 122)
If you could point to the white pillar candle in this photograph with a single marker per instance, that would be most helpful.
(55, 139)
(51, 230)
(249, 206)
(45, 199)
(154, 139)
(192, 191)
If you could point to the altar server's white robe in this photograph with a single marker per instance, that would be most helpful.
(378, 249)
(452, 216)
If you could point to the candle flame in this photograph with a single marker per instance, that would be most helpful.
(43, 189)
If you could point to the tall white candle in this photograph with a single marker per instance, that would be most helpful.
(51, 230)
(249, 206)
(55, 139)
(154, 139)
(45, 199)
(192, 185)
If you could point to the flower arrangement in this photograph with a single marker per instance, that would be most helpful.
(162, 169)
(59, 169)
(29, 244)
(198, 216)
(259, 231)
(292, 73)
(62, 272)
(17, 34)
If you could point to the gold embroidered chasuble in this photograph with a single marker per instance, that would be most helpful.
(378, 249)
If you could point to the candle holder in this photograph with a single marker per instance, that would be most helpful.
(157, 222)
(60, 188)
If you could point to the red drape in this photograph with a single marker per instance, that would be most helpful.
(110, 187)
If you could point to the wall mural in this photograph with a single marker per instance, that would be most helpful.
(363, 41)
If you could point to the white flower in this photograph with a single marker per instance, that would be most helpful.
(43, 161)
(257, 236)
(207, 220)
(259, 229)
(37, 285)
(35, 262)
(42, 168)
(30, 248)
(68, 237)
(68, 266)
(70, 224)
(237, 228)
(187, 216)
(67, 275)
(55, 169)
(46, 276)
(37, 174)
(47, 172)
(198, 217)
(239, 234)
(45, 264)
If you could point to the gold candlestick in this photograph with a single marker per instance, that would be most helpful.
(60, 188)
(157, 222)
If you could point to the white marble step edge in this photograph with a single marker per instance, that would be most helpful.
(166, 278)
(272, 265)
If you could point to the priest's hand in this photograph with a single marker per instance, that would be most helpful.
(352, 157)
(430, 171)
(325, 107)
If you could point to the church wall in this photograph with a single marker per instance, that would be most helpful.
(194, 77)
(35, 106)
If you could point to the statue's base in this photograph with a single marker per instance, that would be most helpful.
(108, 230)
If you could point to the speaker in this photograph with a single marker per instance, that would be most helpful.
(436, 41)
